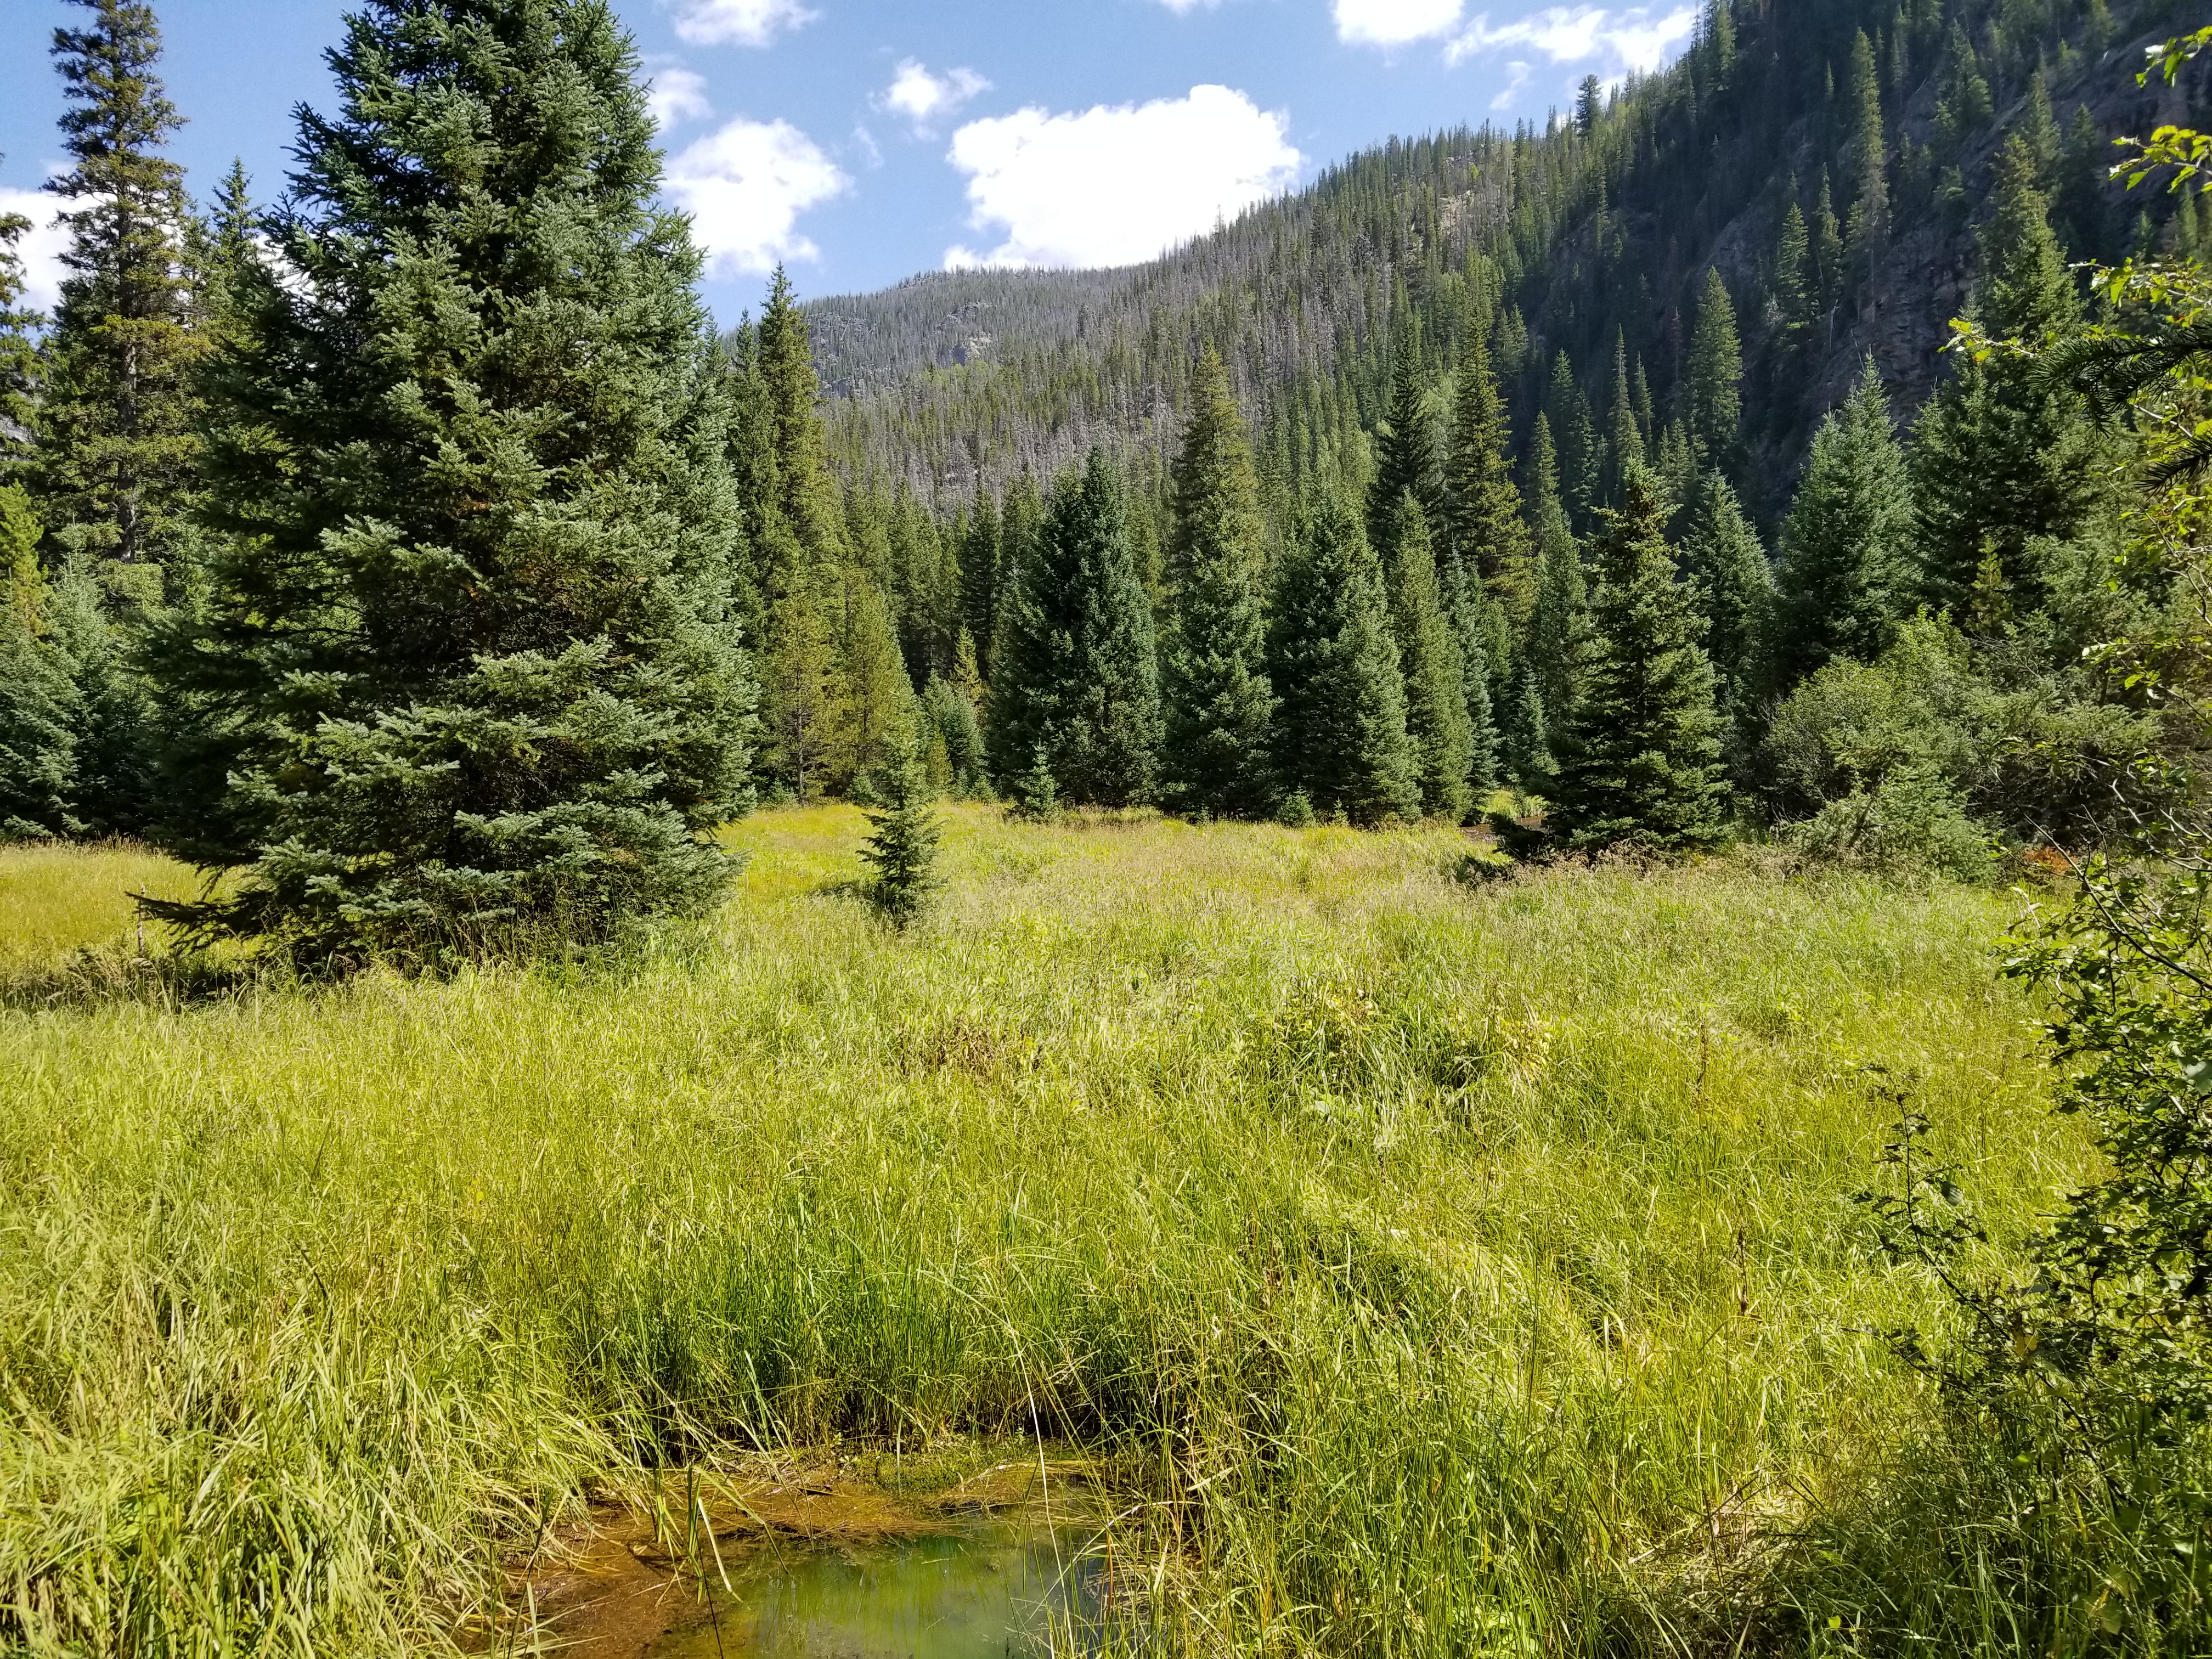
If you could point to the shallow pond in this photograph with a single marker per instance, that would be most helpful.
(997, 1588)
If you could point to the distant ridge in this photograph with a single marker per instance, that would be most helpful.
(1563, 240)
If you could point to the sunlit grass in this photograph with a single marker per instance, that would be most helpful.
(55, 899)
(1457, 1270)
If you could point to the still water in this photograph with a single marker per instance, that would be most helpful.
(1001, 1590)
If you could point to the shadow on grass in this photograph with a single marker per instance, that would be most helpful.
(93, 974)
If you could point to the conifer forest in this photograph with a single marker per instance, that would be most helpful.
(1474, 920)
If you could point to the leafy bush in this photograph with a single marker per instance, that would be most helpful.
(1908, 823)
(2022, 753)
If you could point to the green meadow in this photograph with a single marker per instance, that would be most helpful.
(1439, 1269)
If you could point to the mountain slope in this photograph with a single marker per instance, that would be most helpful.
(1600, 230)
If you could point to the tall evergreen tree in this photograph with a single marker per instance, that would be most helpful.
(1078, 675)
(1214, 658)
(1341, 737)
(1869, 222)
(117, 422)
(39, 709)
(223, 255)
(2079, 208)
(1406, 450)
(806, 491)
(982, 552)
(1796, 289)
(1575, 433)
(1484, 530)
(1730, 586)
(467, 667)
(1712, 387)
(1639, 755)
(1437, 719)
(1824, 247)
(1558, 631)
(1524, 743)
(18, 356)
(1846, 543)
(2001, 456)
(1475, 621)
(1624, 437)
(873, 699)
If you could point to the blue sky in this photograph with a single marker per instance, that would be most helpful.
(862, 141)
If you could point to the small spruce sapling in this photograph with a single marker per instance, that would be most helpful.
(901, 844)
(1036, 796)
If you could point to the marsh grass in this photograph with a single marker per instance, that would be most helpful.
(1454, 1270)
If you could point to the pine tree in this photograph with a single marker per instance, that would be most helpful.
(1712, 391)
(1475, 621)
(806, 493)
(902, 842)
(18, 361)
(873, 699)
(117, 423)
(1623, 440)
(115, 785)
(1824, 247)
(1406, 450)
(40, 700)
(1213, 671)
(2002, 457)
(1963, 106)
(1524, 743)
(1036, 795)
(39, 705)
(1558, 631)
(1575, 433)
(1846, 545)
(2039, 131)
(1796, 289)
(800, 691)
(2079, 208)
(1730, 586)
(223, 255)
(1430, 664)
(949, 708)
(1340, 739)
(1639, 755)
(1483, 531)
(982, 552)
(1078, 675)
(1869, 225)
(466, 670)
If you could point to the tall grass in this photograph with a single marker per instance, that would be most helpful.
(1455, 1270)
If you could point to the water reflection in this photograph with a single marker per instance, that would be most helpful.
(1003, 1589)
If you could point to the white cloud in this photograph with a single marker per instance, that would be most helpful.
(40, 246)
(1517, 73)
(1392, 23)
(744, 188)
(1639, 39)
(676, 95)
(1117, 185)
(1188, 5)
(739, 22)
(922, 97)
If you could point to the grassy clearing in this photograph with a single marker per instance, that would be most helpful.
(1460, 1271)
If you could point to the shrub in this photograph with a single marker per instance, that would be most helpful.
(2019, 750)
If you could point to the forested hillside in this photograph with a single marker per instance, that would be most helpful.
(1835, 189)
